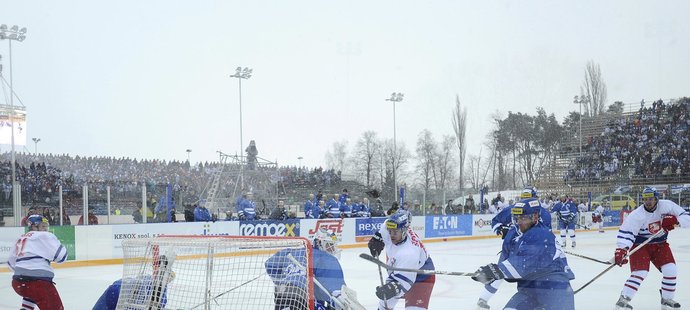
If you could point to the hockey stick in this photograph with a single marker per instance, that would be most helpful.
(421, 271)
(658, 233)
(228, 291)
(378, 262)
(587, 257)
(356, 306)
(582, 226)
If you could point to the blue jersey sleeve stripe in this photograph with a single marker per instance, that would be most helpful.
(57, 253)
(625, 232)
(29, 258)
(509, 270)
(64, 257)
(624, 238)
(401, 277)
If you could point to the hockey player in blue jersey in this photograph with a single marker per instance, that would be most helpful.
(287, 270)
(532, 259)
(501, 224)
(566, 211)
(144, 293)
(246, 209)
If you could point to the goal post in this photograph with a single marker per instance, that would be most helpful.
(216, 272)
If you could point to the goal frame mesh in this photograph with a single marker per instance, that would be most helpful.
(192, 258)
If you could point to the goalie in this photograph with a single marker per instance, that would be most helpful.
(287, 270)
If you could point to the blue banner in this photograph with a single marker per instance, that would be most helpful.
(368, 226)
(612, 218)
(402, 196)
(287, 228)
(448, 226)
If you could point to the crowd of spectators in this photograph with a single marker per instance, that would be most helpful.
(652, 143)
(41, 175)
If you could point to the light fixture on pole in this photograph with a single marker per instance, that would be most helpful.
(300, 162)
(580, 100)
(395, 97)
(13, 34)
(188, 151)
(241, 74)
(36, 140)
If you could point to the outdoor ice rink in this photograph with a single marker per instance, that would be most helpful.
(81, 287)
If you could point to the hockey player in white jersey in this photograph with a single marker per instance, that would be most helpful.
(648, 219)
(404, 249)
(30, 260)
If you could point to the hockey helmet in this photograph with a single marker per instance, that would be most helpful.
(650, 192)
(524, 209)
(36, 220)
(327, 241)
(528, 192)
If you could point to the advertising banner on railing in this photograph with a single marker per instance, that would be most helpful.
(448, 226)
(287, 228)
(367, 227)
(481, 225)
(66, 236)
(309, 227)
(8, 238)
(612, 218)
(136, 231)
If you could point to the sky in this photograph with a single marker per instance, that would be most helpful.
(150, 79)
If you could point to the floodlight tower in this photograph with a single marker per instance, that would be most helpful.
(19, 35)
(395, 98)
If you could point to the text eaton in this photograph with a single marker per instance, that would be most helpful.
(445, 222)
(272, 229)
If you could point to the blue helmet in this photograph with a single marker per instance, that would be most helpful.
(398, 220)
(528, 192)
(35, 220)
(650, 192)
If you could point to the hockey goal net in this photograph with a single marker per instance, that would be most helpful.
(217, 272)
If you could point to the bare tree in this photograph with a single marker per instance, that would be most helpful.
(445, 163)
(365, 156)
(426, 159)
(459, 120)
(336, 157)
(594, 88)
(399, 157)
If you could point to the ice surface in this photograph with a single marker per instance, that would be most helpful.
(81, 287)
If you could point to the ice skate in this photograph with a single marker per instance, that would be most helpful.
(482, 304)
(624, 303)
(669, 304)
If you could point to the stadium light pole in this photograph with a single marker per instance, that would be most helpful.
(395, 97)
(241, 74)
(13, 34)
(300, 162)
(36, 140)
(188, 151)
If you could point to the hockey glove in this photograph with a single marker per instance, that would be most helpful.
(388, 290)
(620, 256)
(504, 231)
(669, 222)
(487, 274)
(376, 244)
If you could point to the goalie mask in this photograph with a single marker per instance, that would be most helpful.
(327, 241)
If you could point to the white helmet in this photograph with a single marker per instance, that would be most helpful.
(327, 241)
